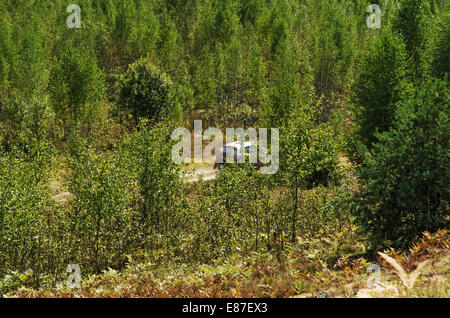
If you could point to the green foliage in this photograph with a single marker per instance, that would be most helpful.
(308, 157)
(7, 56)
(99, 231)
(378, 86)
(147, 92)
(23, 119)
(158, 180)
(290, 64)
(27, 217)
(411, 22)
(285, 93)
(308, 153)
(32, 64)
(332, 47)
(125, 26)
(229, 215)
(4, 70)
(404, 181)
(76, 87)
(440, 60)
(169, 46)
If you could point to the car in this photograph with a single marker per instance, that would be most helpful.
(234, 147)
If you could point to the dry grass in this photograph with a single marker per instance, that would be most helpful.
(295, 274)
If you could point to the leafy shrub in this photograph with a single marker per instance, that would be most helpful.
(22, 120)
(404, 180)
(147, 92)
(308, 153)
(31, 227)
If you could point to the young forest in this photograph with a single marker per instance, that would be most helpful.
(90, 93)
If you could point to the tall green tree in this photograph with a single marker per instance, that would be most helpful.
(77, 87)
(411, 22)
(379, 85)
(158, 180)
(405, 177)
(308, 157)
(440, 51)
(203, 79)
(7, 55)
(32, 64)
(169, 45)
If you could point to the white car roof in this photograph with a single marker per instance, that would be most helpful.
(237, 144)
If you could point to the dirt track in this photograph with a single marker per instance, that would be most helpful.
(208, 173)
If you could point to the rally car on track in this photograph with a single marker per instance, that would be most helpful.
(233, 148)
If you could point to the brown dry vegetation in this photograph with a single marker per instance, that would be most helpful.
(295, 274)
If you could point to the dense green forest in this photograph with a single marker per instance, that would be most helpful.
(86, 115)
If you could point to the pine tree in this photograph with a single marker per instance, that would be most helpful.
(411, 22)
(405, 177)
(440, 55)
(378, 87)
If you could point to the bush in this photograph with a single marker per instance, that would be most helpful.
(147, 92)
(23, 119)
(29, 223)
(405, 178)
(308, 153)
